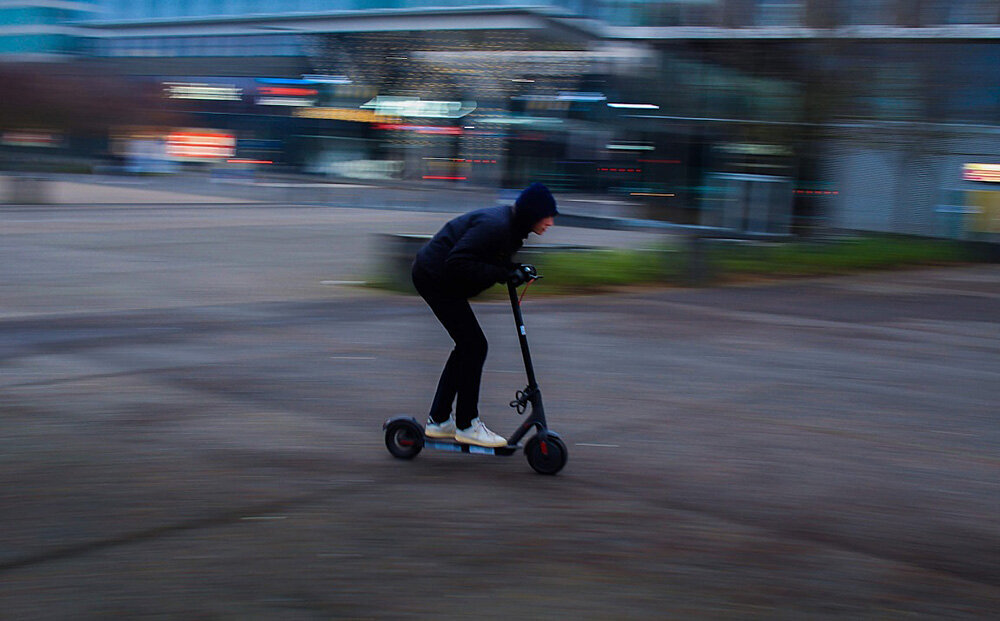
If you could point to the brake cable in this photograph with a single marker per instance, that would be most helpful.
(525, 290)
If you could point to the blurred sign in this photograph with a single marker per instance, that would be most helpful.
(573, 96)
(200, 145)
(630, 146)
(747, 148)
(203, 91)
(327, 79)
(985, 210)
(414, 106)
(981, 172)
(345, 114)
(26, 138)
(297, 96)
(421, 129)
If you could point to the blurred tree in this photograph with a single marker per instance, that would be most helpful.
(77, 99)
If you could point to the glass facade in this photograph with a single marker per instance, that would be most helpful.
(15, 16)
(811, 81)
(114, 10)
(41, 28)
(663, 13)
(38, 44)
(199, 46)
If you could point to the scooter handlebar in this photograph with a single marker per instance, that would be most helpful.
(523, 273)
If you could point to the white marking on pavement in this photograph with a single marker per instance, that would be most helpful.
(283, 184)
(352, 357)
(343, 282)
(264, 517)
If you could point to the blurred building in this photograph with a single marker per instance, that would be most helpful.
(42, 30)
(764, 115)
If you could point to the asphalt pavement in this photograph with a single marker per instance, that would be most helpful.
(190, 428)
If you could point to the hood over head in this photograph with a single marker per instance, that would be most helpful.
(533, 204)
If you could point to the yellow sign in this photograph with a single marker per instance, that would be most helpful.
(345, 114)
(985, 216)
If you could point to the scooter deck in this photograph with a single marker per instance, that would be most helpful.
(457, 447)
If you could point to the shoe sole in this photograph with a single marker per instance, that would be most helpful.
(474, 443)
(437, 435)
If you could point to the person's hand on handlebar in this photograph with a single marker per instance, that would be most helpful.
(521, 274)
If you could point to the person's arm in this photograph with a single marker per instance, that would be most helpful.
(479, 255)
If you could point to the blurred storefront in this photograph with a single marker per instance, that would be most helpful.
(779, 115)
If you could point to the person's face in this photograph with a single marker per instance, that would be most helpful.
(542, 225)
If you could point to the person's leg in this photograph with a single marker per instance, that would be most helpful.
(447, 388)
(462, 374)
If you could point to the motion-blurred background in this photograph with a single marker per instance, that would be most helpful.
(193, 381)
(775, 116)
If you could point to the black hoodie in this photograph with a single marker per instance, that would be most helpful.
(473, 251)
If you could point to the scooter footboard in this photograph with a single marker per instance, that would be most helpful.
(455, 447)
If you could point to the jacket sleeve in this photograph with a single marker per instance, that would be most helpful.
(479, 256)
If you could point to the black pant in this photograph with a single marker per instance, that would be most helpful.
(464, 370)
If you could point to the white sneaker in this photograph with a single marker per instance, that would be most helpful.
(440, 430)
(479, 435)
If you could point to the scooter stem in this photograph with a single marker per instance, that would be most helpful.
(522, 335)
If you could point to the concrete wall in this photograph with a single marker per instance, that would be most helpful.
(902, 177)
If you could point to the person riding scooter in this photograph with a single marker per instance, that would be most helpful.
(468, 255)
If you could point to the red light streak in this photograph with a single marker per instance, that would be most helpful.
(277, 90)
(421, 129)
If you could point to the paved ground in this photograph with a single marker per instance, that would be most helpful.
(190, 429)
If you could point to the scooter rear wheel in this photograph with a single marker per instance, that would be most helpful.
(546, 456)
(404, 438)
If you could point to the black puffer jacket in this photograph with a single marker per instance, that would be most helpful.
(473, 251)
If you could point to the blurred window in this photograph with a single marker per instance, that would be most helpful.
(972, 12)
(779, 12)
(199, 46)
(238, 45)
(182, 46)
(867, 12)
(934, 12)
(967, 79)
(934, 81)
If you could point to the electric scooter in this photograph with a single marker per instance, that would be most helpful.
(545, 450)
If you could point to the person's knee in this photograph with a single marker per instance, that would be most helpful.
(474, 348)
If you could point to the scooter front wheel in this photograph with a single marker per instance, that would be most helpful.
(404, 438)
(546, 455)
